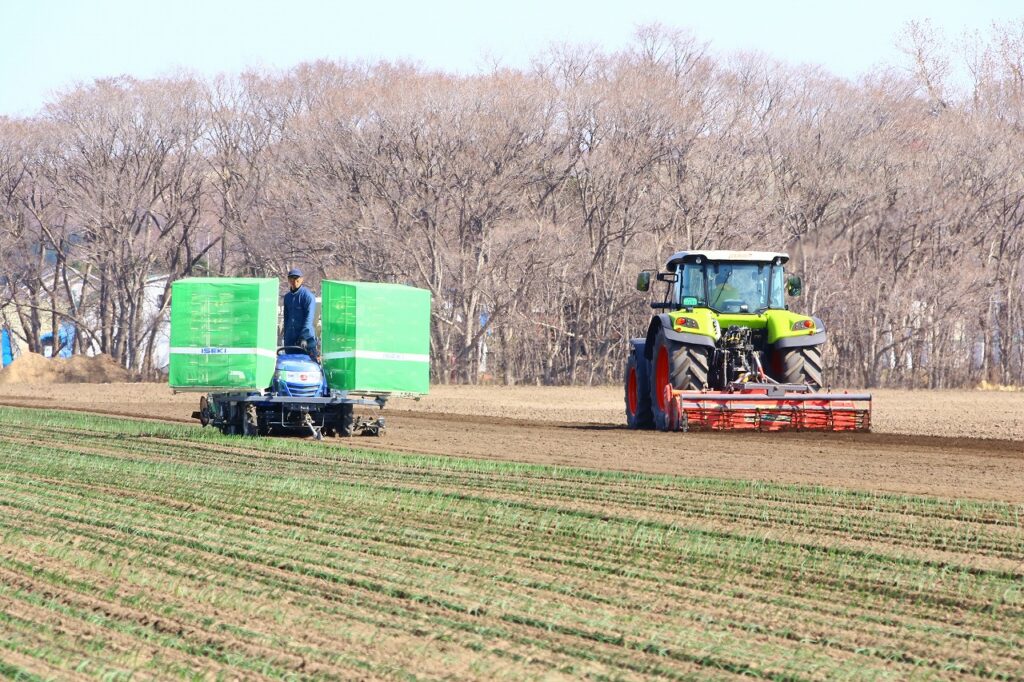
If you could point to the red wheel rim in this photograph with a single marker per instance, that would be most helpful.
(661, 376)
(631, 395)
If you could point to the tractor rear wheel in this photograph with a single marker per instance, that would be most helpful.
(680, 365)
(802, 366)
(638, 393)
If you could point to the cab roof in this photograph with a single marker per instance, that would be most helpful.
(738, 256)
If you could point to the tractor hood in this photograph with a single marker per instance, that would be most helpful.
(297, 362)
(298, 375)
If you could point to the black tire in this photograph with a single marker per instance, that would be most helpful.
(232, 420)
(346, 427)
(340, 422)
(250, 420)
(204, 410)
(683, 366)
(802, 366)
(637, 385)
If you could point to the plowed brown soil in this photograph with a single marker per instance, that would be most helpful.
(966, 444)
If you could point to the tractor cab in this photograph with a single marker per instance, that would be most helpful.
(726, 281)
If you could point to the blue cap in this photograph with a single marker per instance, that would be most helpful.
(295, 272)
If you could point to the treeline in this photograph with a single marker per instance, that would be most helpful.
(527, 200)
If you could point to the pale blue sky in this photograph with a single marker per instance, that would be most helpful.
(48, 45)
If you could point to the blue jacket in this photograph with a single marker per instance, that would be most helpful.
(299, 311)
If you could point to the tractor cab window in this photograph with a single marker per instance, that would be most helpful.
(691, 283)
(732, 287)
(778, 290)
(739, 287)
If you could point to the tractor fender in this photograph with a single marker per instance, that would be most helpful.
(664, 323)
(815, 339)
(638, 348)
(643, 366)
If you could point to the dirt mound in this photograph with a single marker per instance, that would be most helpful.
(32, 368)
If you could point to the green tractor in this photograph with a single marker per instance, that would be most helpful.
(725, 330)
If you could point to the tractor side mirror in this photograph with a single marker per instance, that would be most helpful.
(794, 285)
(668, 277)
(643, 281)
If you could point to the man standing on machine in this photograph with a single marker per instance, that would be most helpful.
(299, 315)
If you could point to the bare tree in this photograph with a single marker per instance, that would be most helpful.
(526, 200)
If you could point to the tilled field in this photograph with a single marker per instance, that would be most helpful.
(144, 549)
(950, 444)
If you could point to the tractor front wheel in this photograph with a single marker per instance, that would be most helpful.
(638, 393)
(802, 366)
(679, 365)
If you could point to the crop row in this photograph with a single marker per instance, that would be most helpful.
(132, 547)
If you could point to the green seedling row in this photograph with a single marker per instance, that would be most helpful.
(131, 549)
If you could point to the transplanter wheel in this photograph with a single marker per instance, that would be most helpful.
(250, 421)
(348, 420)
(204, 410)
(340, 422)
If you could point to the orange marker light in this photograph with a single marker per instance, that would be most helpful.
(682, 323)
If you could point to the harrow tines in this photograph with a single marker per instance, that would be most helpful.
(758, 410)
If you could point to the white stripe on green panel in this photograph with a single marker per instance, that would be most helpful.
(221, 350)
(376, 355)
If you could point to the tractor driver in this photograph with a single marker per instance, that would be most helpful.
(723, 290)
(299, 313)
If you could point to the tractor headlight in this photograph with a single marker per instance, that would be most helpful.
(803, 325)
(682, 323)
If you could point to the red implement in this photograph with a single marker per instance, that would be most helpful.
(767, 407)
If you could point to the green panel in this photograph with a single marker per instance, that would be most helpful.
(376, 337)
(223, 333)
(702, 316)
(780, 325)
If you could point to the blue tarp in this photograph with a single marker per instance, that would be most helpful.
(65, 338)
(6, 355)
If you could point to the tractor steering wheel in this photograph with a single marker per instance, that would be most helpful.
(292, 350)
